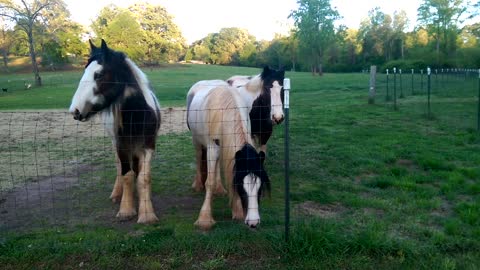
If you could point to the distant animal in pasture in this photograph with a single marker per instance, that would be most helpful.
(27, 85)
(218, 119)
(4, 89)
(113, 86)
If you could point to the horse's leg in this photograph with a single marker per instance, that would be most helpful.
(146, 214)
(117, 187)
(205, 220)
(237, 209)
(198, 184)
(219, 189)
(127, 207)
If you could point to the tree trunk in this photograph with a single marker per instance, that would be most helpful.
(320, 69)
(5, 60)
(36, 72)
(402, 48)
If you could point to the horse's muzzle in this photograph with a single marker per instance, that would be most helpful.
(78, 116)
(277, 120)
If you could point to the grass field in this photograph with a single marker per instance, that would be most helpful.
(371, 187)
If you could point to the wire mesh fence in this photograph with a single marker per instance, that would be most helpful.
(58, 173)
(450, 96)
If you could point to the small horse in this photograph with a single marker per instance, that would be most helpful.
(115, 87)
(218, 119)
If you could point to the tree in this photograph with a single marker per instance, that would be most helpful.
(152, 35)
(163, 38)
(315, 30)
(6, 42)
(372, 38)
(440, 17)
(25, 15)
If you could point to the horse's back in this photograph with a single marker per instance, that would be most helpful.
(213, 110)
(203, 87)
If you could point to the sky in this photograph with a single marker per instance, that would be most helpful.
(262, 18)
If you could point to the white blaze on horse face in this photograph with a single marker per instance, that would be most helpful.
(276, 101)
(251, 184)
(85, 97)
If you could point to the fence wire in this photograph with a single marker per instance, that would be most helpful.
(454, 95)
(56, 172)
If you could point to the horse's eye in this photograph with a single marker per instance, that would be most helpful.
(97, 76)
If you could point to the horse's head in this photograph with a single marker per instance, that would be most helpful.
(99, 86)
(273, 85)
(250, 180)
(238, 80)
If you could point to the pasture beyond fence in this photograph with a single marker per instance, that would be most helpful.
(369, 185)
(451, 96)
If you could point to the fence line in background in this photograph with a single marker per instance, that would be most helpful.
(453, 84)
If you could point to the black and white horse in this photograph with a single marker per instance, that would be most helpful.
(265, 94)
(115, 87)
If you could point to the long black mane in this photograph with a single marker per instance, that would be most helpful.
(248, 161)
(261, 122)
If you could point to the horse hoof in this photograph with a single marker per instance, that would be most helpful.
(115, 199)
(147, 218)
(126, 215)
(204, 224)
(198, 187)
(220, 190)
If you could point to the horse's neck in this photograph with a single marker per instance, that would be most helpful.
(251, 91)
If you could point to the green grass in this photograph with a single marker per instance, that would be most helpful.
(371, 187)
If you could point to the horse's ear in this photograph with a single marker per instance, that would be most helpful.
(238, 155)
(265, 72)
(262, 157)
(92, 46)
(104, 45)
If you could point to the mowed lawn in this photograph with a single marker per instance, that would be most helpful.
(371, 188)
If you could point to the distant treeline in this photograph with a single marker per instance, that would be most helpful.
(148, 35)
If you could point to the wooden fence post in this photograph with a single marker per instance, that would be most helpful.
(372, 91)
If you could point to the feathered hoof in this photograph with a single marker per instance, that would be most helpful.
(205, 225)
(147, 218)
(220, 190)
(126, 215)
(197, 186)
(115, 198)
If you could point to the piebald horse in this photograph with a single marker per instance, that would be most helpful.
(218, 119)
(113, 86)
(263, 96)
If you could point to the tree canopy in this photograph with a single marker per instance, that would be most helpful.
(447, 34)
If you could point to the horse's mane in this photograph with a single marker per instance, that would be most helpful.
(143, 84)
(227, 120)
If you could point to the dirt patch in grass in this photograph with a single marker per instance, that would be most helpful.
(68, 200)
(310, 208)
(408, 164)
